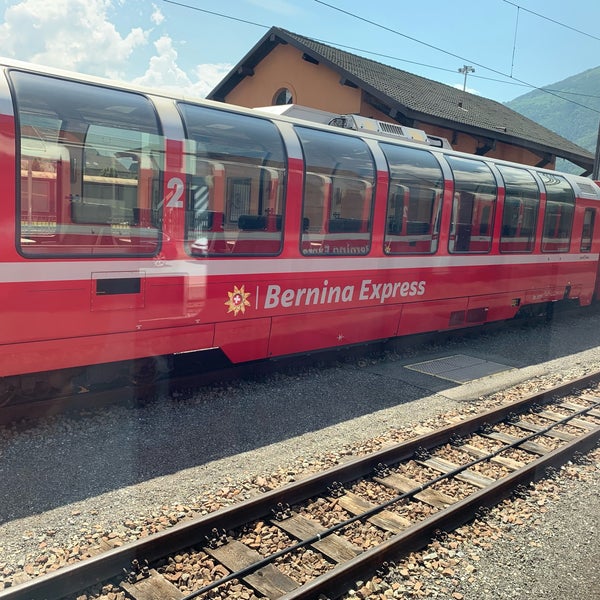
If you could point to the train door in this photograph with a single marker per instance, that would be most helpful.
(587, 233)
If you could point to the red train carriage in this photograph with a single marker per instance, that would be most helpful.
(136, 225)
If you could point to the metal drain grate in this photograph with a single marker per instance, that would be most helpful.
(458, 368)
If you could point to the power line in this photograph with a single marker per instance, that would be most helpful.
(518, 7)
(438, 49)
(516, 82)
(216, 14)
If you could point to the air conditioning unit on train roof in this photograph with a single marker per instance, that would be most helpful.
(358, 123)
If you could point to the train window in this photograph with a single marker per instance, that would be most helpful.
(414, 201)
(521, 205)
(587, 233)
(236, 186)
(475, 193)
(558, 217)
(338, 193)
(90, 162)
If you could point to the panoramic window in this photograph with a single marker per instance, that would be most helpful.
(521, 204)
(338, 193)
(414, 201)
(473, 207)
(236, 183)
(558, 217)
(90, 164)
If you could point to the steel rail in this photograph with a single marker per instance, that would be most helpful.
(342, 577)
(269, 559)
(72, 578)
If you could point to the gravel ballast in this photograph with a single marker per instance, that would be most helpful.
(69, 482)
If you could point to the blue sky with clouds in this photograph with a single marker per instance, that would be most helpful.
(183, 45)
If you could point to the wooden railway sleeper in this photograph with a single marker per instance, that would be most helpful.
(478, 497)
(416, 536)
(284, 510)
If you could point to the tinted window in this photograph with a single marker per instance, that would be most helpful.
(473, 206)
(237, 175)
(90, 161)
(521, 204)
(338, 193)
(558, 216)
(414, 201)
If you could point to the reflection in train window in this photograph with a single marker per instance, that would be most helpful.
(558, 218)
(521, 204)
(90, 168)
(473, 206)
(236, 167)
(338, 193)
(414, 201)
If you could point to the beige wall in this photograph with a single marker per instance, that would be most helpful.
(311, 85)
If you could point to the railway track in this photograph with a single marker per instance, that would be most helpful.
(316, 537)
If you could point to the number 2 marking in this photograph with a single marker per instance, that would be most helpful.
(175, 186)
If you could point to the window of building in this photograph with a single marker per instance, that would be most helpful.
(90, 164)
(473, 207)
(521, 205)
(235, 202)
(283, 96)
(414, 201)
(338, 193)
(558, 216)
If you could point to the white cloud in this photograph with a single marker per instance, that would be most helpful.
(79, 35)
(157, 16)
(69, 34)
(164, 73)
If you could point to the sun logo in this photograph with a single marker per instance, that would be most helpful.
(238, 300)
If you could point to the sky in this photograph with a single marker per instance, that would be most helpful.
(188, 46)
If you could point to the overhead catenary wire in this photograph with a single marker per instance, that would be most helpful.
(458, 56)
(532, 12)
(511, 80)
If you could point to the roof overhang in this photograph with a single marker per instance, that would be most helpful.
(245, 68)
(393, 108)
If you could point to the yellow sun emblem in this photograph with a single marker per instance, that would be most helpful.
(238, 300)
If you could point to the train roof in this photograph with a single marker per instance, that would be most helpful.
(305, 115)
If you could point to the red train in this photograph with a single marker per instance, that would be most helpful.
(137, 225)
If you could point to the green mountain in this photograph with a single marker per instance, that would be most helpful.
(570, 108)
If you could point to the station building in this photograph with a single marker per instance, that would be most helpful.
(285, 68)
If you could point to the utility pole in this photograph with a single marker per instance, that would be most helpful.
(466, 69)
(597, 158)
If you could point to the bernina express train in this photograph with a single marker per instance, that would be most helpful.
(134, 225)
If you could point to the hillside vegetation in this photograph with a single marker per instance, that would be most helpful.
(566, 110)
